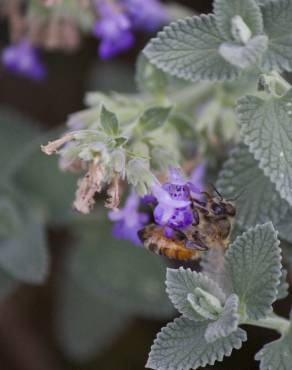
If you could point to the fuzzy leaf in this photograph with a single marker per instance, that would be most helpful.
(258, 201)
(182, 282)
(109, 122)
(85, 324)
(154, 118)
(23, 251)
(181, 346)
(137, 284)
(248, 10)
(266, 128)
(188, 49)
(244, 56)
(226, 323)
(277, 18)
(253, 263)
(277, 355)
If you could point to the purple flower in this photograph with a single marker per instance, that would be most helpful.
(145, 15)
(22, 59)
(128, 220)
(174, 199)
(113, 28)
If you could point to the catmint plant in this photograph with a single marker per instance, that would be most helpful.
(212, 98)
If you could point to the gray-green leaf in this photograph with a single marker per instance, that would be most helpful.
(154, 118)
(226, 323)
(109, 122)
(188, 49)
(277, 17)
(257, 199)
(253, 264)
(85, 324)
(248, 10)
(277, 355)
(244, 56)
(266, 127)
(23, 250)
(181, 346)
(182, 282)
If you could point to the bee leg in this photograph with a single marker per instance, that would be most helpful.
(197, 244)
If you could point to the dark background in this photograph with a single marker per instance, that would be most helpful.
(26, 336)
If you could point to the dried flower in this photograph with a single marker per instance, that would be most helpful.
(53, 146)
(113, 192)
(88, 186)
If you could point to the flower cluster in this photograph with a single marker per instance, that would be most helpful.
(118, 20)
(171, 202)
(173, 210)
(60, 24)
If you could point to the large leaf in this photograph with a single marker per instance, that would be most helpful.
(248, 10)
(277, 17)
(23, 250)
(253, 264)
(85, 324)
(277, 355)
(285, 227)
(180, 283)
(188, 49)
(257, 199)
(124, 275)
(181, 346)
(265, 126)
(50, 189)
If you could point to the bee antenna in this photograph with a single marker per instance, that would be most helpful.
(216, 191)
(236, 196)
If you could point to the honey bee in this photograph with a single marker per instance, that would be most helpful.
(212, 226)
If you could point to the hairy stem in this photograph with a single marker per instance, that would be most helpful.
(273, 321)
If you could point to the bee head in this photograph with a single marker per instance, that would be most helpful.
(223, 208)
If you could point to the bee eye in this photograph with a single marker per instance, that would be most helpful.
(218, 209)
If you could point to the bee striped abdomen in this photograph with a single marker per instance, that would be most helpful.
(154, 240)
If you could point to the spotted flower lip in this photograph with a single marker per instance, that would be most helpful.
(128, 220)
(174, 199)
(23, 59)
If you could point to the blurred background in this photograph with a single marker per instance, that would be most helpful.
(72, 297)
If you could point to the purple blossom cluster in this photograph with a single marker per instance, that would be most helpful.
(22, 59)
(172, 206)
(120, 18)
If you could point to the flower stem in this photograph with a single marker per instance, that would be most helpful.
(273, 321)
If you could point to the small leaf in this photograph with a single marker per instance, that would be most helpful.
(181, 346)
(120, 141)
(277, 355)
(277, 17)
(265, 126)
(244, 56)
(248, 10)
(188, 49)
(226, 323)
(85, 324)
(154, 118)
(253, 264)
(109, 122)
(257, 200)
(180, 283)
